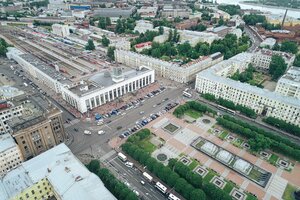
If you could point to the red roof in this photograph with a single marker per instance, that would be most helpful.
(143, 44)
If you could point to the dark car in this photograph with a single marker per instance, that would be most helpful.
(76, 129)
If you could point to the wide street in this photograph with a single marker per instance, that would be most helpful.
(254, 39)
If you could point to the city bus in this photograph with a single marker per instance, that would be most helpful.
(186, 94)
(147, 176)
(172, 197)
(122, 157)
(161, 187)
(226, 110)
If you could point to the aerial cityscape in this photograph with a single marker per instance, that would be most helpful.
(150, 100)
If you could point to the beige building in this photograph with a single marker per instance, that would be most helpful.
(289, 84)
(10, 154)
(37, 129)
(173, 71)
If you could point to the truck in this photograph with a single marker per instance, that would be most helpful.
(122, 157)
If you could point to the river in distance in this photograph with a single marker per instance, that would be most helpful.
(273, 10)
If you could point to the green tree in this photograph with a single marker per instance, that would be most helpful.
(105, 41)
(259, 143)
(94, 166)
(108, 21)
(102, 23)
(161, 30)
(289, 46)
(111, 52)
(277, 67)
(90, 45)
(297, 61)
(197, 194)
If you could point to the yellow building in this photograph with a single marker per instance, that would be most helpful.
(277, 19)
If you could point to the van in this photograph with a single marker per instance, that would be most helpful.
(129, 164)
(87, 132)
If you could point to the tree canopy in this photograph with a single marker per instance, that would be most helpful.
(3, 47)
(105, 41)
(230, 9)
(289, 46)
(90, 45)
(277, 67)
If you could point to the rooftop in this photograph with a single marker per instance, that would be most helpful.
(292, 76)
(209, 148)
(224, 156)
(6, 142)
(70, 179)
(242, 166)
(269, 52)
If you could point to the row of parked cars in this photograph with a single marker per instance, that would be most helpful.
(145, 120)
(133, 104)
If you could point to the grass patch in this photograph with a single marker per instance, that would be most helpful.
(193, 113)
(193, 164)
(171, 128)
(208, 176)
(228, 187)
(254, 174)
(199, 144)
(273, 159)
(251, 197)
(147, 145)
(238, 142)
(288, 192)
(223, 135)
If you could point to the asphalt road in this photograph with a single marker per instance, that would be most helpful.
(133, 177)
(254, 39)
(82, 142)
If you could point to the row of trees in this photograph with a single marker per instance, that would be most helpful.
(194, 179)
(3, 47)
(253, 19)
(104, 22)
(180, 110)
(229, 46)
(230, 105)
(167, 175)
(260, 138)
(230, 9)
(277, 67)
(116, 187)
(290, 128)
(144, 37)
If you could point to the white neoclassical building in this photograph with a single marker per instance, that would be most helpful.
(289, 84)
(214, 80)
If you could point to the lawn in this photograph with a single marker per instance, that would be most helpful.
(147, 145)
(228, 187)
(194, 114)
(273, 159)
(208, 176)
(254, 174)
(251, 197)
(288, 192)
(193, 164)
(223, 135)
(238, 142)
(171, 127)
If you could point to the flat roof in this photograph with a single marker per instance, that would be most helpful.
(70, 179)
(103, 80)
(6, 142)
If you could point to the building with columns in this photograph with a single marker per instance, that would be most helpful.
(86, 92)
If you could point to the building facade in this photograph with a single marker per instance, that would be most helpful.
(179, 73)
(289, 84)
(264, 102)
(262, 58)
(60, 30)
(10, 154)
(7, 112)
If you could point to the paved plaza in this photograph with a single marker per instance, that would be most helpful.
(179, 143)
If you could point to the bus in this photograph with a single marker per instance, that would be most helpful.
(122, 157)
(226, 110)
(172, 197)
(186, 94)
(147, 176)
(161, 187)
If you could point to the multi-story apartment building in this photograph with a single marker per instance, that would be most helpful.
(289, 84)
(10, 154)
(54, 174)
(9, 110)
(173, 11)
(173, 71)
(262, 58)
(37, 128)
(90, 92)
(214, 81)
(142, 26)
(147, 11)
(60, 30)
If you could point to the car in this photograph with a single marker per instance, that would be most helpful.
(127, 184)
(101, 132)
(142, 112)
(136, 192)
(129, 164)
(154, 106)
(87, 132)
(126, 133)
(158, 104)
(142, 182)
(121, 136)
(76, 129)
(109, 121)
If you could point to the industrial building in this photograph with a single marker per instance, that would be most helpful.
(173, 71)
(55, 174)
(215, 81)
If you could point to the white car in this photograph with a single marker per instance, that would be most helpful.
(101, 132)
(129, 164)
(136, 192)
(87, 132)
